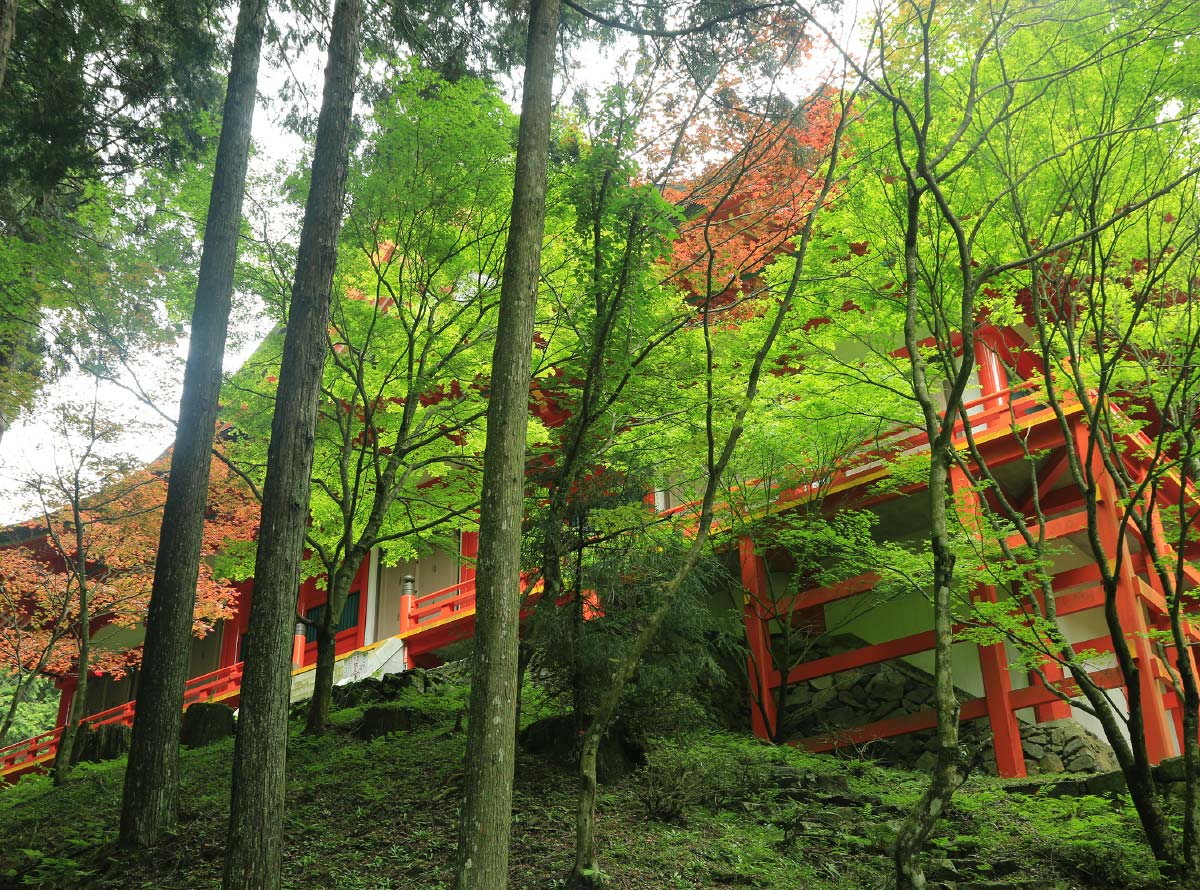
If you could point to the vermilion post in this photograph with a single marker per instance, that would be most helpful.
(997, 689)
(64, 701)
(470, 551)
(1132, 615)
(993, 660)
(763, 714)
(299, 641)
(992, 378)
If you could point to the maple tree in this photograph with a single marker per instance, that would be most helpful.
(79, 574)
(398, 435)
(730, 385)
(1112, 354)
(922, 240)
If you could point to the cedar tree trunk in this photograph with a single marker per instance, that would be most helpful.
(254, 849)
(8, 29)
(152, 775)
(482, 859)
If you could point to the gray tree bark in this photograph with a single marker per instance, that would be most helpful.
(915, 831)
(8, 30)
(254, 849)
(152, 775)
(482, 859)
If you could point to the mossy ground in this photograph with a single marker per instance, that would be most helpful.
(382, 814)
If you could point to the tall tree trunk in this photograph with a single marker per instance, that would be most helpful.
(252, 857)
(482, 859)
(8, 30)
(152, 775)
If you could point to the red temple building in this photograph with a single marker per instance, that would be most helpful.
(414, 614)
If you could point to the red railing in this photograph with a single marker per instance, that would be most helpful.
(446, 604)
(441, 605)
(25, 755)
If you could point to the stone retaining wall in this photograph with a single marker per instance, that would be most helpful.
(827, 706)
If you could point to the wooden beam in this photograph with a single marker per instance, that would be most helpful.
(874, 654)
(819, 596)
(888, 728)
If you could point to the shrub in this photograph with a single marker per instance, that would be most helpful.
(719, 770)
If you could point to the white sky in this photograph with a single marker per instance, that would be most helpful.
(29, 447)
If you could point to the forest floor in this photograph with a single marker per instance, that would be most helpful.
(711, 809)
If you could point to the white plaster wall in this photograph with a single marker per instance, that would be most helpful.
(432, 573)
(901, 617)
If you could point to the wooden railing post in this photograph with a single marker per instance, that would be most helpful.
(408, 593)
(299, 641)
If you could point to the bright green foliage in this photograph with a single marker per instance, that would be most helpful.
(38, 708)
(414, 312)
(613, 347)
(107, 288)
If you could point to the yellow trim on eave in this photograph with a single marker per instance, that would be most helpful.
(420, 628)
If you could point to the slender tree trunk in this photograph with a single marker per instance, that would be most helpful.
(318, 706)
(254, 849)
(8, 30)
(152, 775)
(915, 831)
(524, 659)
(483, 836)
(10, 714)
(78, 708)
(911, 838)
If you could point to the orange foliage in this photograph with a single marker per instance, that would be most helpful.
(115, 535)
(744, 210)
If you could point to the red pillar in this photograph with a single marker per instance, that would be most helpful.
(993, 660)
(997, 692)
(299, 641)
(761, 666)
(1163, 621)
(1159, 742)
(469, 550)
(992, 378)
(67, 687)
